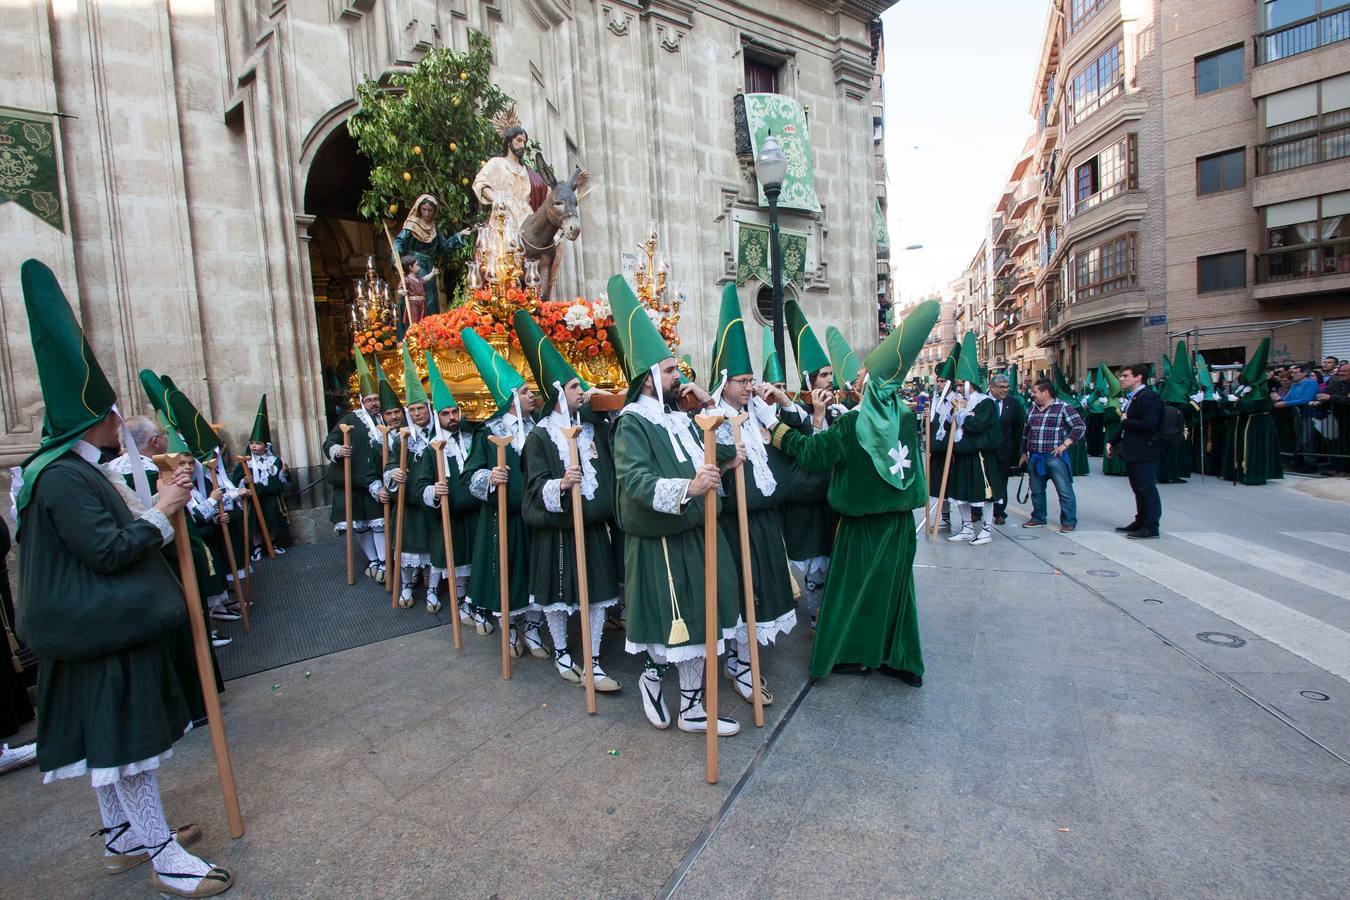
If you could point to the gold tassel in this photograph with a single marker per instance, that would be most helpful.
(679, 632)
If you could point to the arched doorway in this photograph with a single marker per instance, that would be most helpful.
(341, 244)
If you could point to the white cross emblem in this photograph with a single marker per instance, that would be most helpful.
(899, 453)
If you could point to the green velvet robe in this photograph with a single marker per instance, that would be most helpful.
(868, 614)
(418, 527)
(79, 538)
(1111, 422)
(1252, 448)
(365, 452)
(553, 557)
(272, 500)
(1174, 465)
(484, 579)
(808, 521)
(464, 507)
(664, 545)
(975, 475)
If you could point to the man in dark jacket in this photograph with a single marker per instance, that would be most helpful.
(1010, 423)
(1137, 443)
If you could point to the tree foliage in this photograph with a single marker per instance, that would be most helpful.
(428, 131)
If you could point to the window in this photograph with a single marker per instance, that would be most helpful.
(1221, 272)
(1306, 238)
(1221, 172)
(1097, 83)
(1081, 11)
(1306, 125)
(1290, 27)
(1104, 269)
(761, 76)
(1219, 70)
(1111, 172)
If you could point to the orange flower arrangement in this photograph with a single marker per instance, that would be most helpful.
(441, 331)
(376, 337)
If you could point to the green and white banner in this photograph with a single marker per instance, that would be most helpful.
(28, 170)
(786, 119)
(883, 236)
(752, 255)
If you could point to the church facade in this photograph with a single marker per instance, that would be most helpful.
(207, 187)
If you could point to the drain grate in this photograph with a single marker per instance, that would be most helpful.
(1104, 573)
(1221, 639)
(1314, 695)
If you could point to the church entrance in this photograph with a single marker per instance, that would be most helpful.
(341, 246)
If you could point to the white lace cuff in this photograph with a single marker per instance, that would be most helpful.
(429, 497)
(389, 483)
(374, 490)
(478, 484)
(670, 495)
(160, 521)
(553, 495)
(333, 452)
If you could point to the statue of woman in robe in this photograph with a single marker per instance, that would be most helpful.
(418, 237)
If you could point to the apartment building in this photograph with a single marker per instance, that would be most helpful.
(1188, 177)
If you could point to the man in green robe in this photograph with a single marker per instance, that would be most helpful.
(414, 529)
(1252, 447)
(97, 600)
(766, 473)
(484, 478)
(432, 492)
(547, 508)
(363, 441)
(1112, 418)
(1178, 384)
(975, 480)
(662, 487)
(868, 617)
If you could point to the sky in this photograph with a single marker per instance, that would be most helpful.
(958, 85)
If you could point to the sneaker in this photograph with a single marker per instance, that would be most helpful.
(965, 534)
(534, 640)
(433, 603)
(570, 671)
(740, 679)
(984, 537)
(221, 614)
(1143, 534)
(257, 554)
(17, 757)
(604, 684)
(217, 640)
(694, 718)
(653, 702)
(1033, 523)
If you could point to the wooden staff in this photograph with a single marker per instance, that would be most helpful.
(257, 508)
(503, 582)
(347, 491)
(402, 279)
(247, 560)
(168, 464)
(438, 446)
(748, 586)
(229, 550)
(711, 631)
(927, 463)
(583, 588)
(402, 493)
(384, 464)
(946, 470)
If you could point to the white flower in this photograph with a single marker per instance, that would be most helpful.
(600, 310)
(578, 316)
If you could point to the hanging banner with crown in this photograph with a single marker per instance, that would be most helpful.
(28, 169)
(785, 118)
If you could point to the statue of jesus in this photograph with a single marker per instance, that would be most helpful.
(506, 180)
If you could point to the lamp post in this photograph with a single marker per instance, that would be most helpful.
(770, 169)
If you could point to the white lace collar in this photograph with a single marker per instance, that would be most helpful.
(508, 424)
(367, 420)
(553, 424)
(756, 454)
(675, 424)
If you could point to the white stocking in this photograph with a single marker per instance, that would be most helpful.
(433, 579)
(743, 654)
(597, 630)
(110, 812)
(367, 542)
(409, 575)
(377, 539)
(690, 672)
(987, 515)
(557, 627)
(139, 796)
(960, 514)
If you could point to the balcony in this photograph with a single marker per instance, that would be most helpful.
(1307, 262)
(1048, 246)
(1325, 138)
(1003, 262)
(1328, 27)
(1025, 232)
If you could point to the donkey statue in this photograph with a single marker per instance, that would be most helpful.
(556, 218)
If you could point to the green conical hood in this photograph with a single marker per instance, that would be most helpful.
(413, 392)
(388, 399)
(501, 379)
(634, 331)
(890, 362)
(547, 364)
(968, 363)
(773, 367)
(1062, 389)
(441, 398)
(1180, 379)
(806, 350)
(201, 439)
(730, 352)
(262, 425)
(363, 376)
(1111, 384)
(1254, 374)
(843, 360)
(1166, 367)
(1202, 377)
(156, 391)
(947, 370)
(173, 441)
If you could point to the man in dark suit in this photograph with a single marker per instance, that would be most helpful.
(1010, 422)
(1138, 446)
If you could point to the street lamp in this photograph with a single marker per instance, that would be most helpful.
(770, 170)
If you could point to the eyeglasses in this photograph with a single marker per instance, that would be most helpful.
(743, 382)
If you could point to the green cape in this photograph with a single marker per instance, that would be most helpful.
(879, 412)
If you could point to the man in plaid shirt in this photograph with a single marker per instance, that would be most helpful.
(1052, 428)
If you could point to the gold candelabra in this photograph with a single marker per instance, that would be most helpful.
(501, 279)
(371, 303)
(652, 278)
